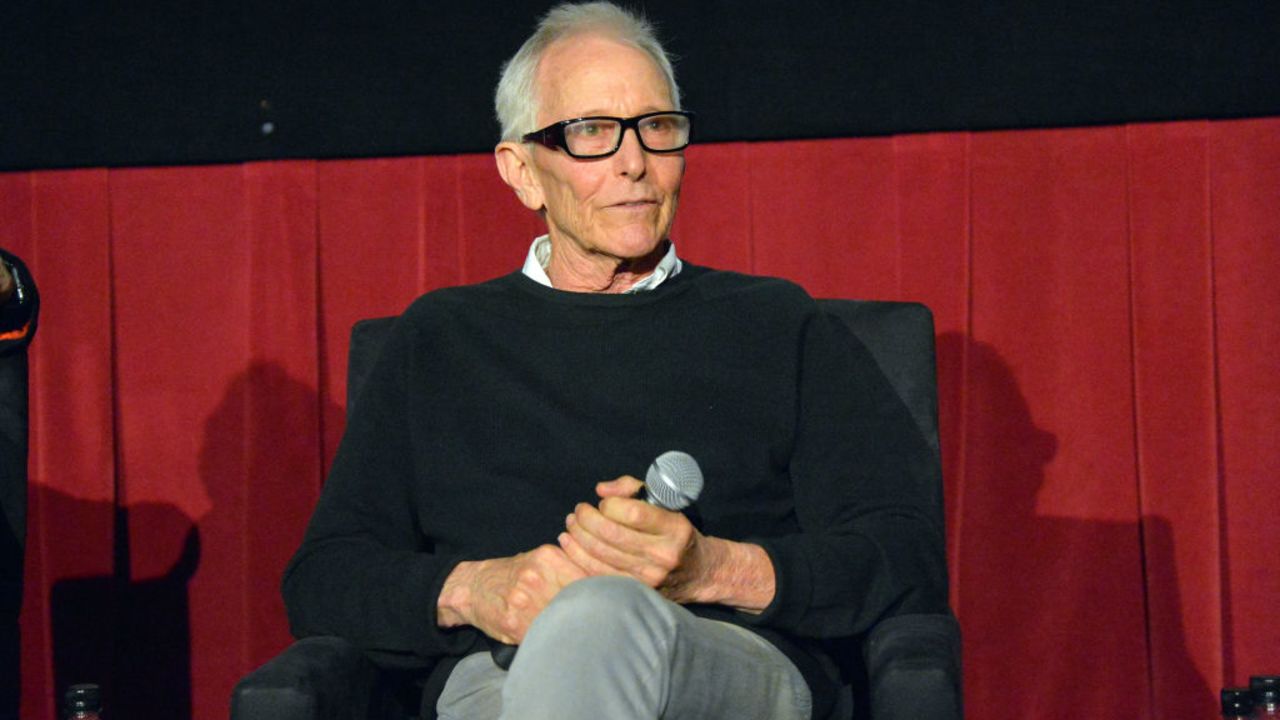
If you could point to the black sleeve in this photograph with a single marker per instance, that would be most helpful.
(868, 547)
(366, 571)
(18, 314)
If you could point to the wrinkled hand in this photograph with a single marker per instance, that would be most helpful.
(627, 536)
(501, 597)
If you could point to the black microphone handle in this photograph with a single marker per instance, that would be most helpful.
(503, 654)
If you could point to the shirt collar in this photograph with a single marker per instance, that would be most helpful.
(535, 266)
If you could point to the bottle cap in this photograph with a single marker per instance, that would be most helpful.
(1236, 701)
(1265, 688)
(84, 697)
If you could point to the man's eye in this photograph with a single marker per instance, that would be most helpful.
(590, 129)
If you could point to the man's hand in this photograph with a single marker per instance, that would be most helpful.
(661, 548)
(501, 597)
(626, 536)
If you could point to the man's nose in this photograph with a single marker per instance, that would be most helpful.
(631, 159)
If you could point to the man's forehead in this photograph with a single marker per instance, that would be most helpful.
(582, 61)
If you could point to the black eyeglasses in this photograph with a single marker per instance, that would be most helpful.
(600, 136)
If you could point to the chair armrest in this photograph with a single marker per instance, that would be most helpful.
(913, 668)
(317, 678)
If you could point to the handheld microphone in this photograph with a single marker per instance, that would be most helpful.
(674, 482)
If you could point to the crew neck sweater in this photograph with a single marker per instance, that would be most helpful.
(494, 408)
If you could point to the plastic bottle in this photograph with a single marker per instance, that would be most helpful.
(1266, 695)
(83, 702)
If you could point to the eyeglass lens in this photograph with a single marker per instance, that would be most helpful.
(657, 133)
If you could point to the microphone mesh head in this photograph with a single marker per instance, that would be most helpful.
(674, 480)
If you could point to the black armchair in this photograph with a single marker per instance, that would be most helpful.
(906, 668)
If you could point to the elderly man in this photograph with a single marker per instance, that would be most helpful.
(485, 489)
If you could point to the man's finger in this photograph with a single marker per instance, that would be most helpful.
(554, 570)
(589, 563)
(614, 545)
(625, 486)
(636, 514)
(620, 530)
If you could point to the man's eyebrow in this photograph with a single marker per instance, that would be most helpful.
(598, 112)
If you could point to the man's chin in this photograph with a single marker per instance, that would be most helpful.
(639, 253)
(630, 245)
(634, 243)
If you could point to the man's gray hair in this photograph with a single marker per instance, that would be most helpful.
(516, 100)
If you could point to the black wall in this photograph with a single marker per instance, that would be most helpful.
(195, 82)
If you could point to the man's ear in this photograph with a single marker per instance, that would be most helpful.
(515, 165)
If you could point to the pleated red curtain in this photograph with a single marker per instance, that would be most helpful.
(1108, 315)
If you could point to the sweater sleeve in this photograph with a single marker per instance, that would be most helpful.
(365, 570)
(860, 471)
(20, 310)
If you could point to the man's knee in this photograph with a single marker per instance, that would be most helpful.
(607, 610)
(603, 645)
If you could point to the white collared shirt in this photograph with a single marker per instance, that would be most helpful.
(535, 266)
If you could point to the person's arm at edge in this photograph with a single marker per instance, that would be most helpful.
(19, 303)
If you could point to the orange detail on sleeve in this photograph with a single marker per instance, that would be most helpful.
(17, 334)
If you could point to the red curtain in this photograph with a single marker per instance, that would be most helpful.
(1108, 310)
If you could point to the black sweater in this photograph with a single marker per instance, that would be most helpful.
(494, 408)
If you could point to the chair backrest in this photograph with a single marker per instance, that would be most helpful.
(366, 342)
(900, 337)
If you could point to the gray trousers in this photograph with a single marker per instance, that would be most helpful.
(611, 648)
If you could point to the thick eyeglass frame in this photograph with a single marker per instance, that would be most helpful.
(552, 136)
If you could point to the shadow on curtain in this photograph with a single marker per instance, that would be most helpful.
(131, 631)
(1034, 583)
